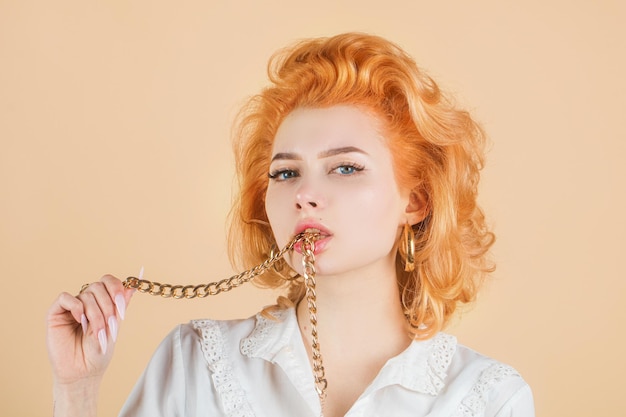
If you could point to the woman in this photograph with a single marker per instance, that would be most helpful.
(356, 146)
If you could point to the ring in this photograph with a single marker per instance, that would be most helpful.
(83, 288)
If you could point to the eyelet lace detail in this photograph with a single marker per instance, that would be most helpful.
(258, 343)
(442, 351)
(475, 402)
(232, 396)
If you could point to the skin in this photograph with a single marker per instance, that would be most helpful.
(331, 169)
(80, 348)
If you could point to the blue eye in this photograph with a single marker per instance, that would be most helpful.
(283, 174)
(348, 169)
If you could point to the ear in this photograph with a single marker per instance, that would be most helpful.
(417, 208)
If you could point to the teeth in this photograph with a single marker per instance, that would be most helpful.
(312, 230)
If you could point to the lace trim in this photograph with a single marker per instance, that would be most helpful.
(442, 351)
(258, 343)
(475, 402)
(434, 365)
(229, 391)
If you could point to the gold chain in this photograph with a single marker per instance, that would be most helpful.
(214, 288)
(308, 270)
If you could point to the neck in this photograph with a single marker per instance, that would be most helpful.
(355, 309)
(360, 326)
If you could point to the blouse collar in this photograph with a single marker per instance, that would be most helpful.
(421, 367)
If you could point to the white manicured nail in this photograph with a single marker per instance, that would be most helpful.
(120, 304)
(83, 323)
(102, 338)
(113, 328)
(140, 273)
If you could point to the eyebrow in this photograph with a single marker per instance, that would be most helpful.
(323, 154)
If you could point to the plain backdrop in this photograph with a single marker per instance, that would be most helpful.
(115, 153)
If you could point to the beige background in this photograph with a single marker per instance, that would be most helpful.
(114, 133)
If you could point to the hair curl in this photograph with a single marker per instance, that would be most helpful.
(438, 151)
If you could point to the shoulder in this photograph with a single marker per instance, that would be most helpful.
(463, 382)
(211, 338)
(196, 370)
(220, 339)
(207, 330)
(487, 386)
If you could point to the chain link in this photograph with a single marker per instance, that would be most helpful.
(214, 288)
(308, 270)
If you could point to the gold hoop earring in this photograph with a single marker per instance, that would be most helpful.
(408, 238)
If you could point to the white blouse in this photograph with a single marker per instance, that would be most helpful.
(259, 367)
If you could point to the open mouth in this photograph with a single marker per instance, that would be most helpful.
(313, 232)
(317, 236)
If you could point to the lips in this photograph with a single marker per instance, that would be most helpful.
(322, 238)
(312, 227)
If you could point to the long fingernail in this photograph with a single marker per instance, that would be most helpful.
(120, 304)
(83, 323)
(102, 338)
(113, 328)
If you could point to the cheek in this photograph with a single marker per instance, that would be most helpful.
(269, 198)
(275, 207)
(270, 204)
(376, 200)
(376, 212)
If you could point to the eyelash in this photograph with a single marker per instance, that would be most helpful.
(356, 168)
(277, 174)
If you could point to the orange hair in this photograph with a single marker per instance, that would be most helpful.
(437, 150)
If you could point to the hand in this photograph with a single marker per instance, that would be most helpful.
(82, 331)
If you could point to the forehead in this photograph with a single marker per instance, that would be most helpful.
(326, 128)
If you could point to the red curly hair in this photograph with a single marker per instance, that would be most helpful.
(438, 151)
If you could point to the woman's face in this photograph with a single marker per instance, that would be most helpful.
(331, 170)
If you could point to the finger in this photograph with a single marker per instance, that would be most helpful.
(94, 312)
(65, 303)
(109, 293)
(104, 298)
(118, 294)
(128, 295)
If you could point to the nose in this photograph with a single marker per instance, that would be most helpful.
(300, 205)
(308, 197)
